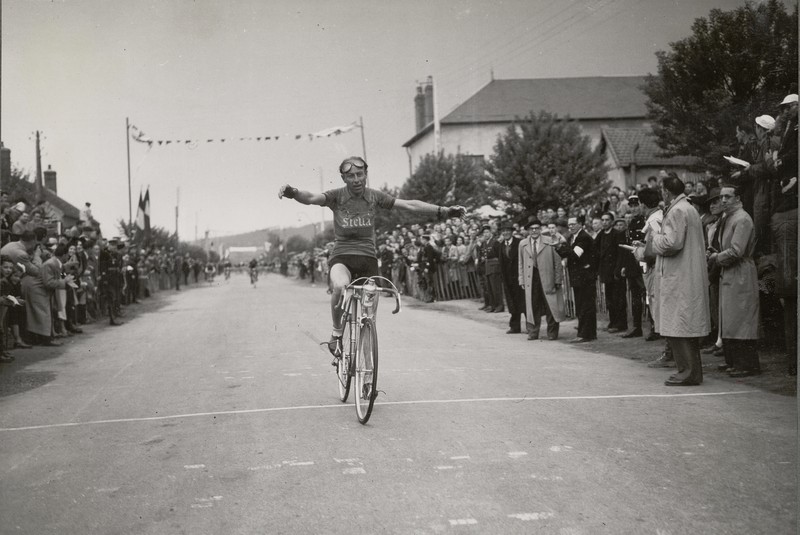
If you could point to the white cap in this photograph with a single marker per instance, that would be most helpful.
(788, 99)
(765, 121)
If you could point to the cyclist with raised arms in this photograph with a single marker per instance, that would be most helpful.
(354, 252)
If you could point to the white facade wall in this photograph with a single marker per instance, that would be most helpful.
(480, 139)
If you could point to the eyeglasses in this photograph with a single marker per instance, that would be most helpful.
(349, 164)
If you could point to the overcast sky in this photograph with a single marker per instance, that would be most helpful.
(199, 70)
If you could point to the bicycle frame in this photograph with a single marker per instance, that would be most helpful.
(360, 299)
(354, 295)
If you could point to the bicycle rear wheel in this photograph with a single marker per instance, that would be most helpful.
(344, 365)
(366, 371)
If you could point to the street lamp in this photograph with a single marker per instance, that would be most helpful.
(313, 225)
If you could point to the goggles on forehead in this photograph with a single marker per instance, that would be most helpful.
(348, 165)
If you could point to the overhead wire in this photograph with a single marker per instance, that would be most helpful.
(571, 21)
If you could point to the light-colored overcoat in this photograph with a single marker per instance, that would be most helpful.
(738, 284)
(681, 284)
(37, 299)
(551, 273)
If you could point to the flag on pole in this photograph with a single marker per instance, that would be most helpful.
(140, 214)
(146, 214)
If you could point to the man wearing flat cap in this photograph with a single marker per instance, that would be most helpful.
(490, 254)
(541, 274)
(509, 269)
(783, 224)
(109, 277)
(758, 177)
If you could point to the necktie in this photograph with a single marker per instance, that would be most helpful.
(535, 253)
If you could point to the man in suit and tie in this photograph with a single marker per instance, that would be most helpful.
(609, 240)
(541, 273)
(582, 277)
(52, 278)
(509, 270)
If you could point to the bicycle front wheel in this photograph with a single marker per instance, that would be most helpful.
(366, 371)
(344, 372)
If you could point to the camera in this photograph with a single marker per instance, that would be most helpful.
(636, 235)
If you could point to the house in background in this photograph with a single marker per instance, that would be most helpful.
(632, 156)
(597, 103)
(42, 193)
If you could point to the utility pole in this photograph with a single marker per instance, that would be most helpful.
(128, 148)
(322, 208)
(177, 202)
(363, 143)
(437, 129)
(39, 187)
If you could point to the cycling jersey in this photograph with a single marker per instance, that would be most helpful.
(354, 220)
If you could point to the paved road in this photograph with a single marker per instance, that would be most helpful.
(216, 412)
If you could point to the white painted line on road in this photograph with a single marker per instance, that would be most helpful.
(384, 403)
(547, 478)
(355, 470)
(194, 466)
(447, 467)
(459, 457)
(531, 516)
(560, 448)
(517, 454)
(463, 522)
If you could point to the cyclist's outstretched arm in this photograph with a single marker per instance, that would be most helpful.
(301, 196)
(424, 208)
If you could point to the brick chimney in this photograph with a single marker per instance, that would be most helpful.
(5, 165)
(429, 100)
(419, 108)
(50, 179)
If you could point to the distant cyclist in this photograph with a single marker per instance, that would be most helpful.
(354, 252)
(210, 271)
(253, 272)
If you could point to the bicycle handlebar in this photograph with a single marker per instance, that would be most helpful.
(393, 291)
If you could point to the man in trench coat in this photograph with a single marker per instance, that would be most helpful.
(681, 291)
(738, 287)
(541, 275)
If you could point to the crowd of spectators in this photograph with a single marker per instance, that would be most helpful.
(707, 266)
(53, 279)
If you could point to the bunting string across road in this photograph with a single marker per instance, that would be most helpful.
(137, 134)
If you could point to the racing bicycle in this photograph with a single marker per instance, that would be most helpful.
(359, 359)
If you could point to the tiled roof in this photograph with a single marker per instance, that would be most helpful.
(621, 142)
(61, 204)
(598, 97)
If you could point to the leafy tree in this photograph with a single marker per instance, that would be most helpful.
(545, 161)
(735, 66)
(446, 180)
(20, 187)
(162, 239)
(297, 244)
(385, 219)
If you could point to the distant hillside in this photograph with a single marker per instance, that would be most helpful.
(258, 237)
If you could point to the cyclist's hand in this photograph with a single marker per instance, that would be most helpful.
(287, 191)
(456, 211)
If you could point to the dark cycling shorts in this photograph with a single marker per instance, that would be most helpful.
(358, 265)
